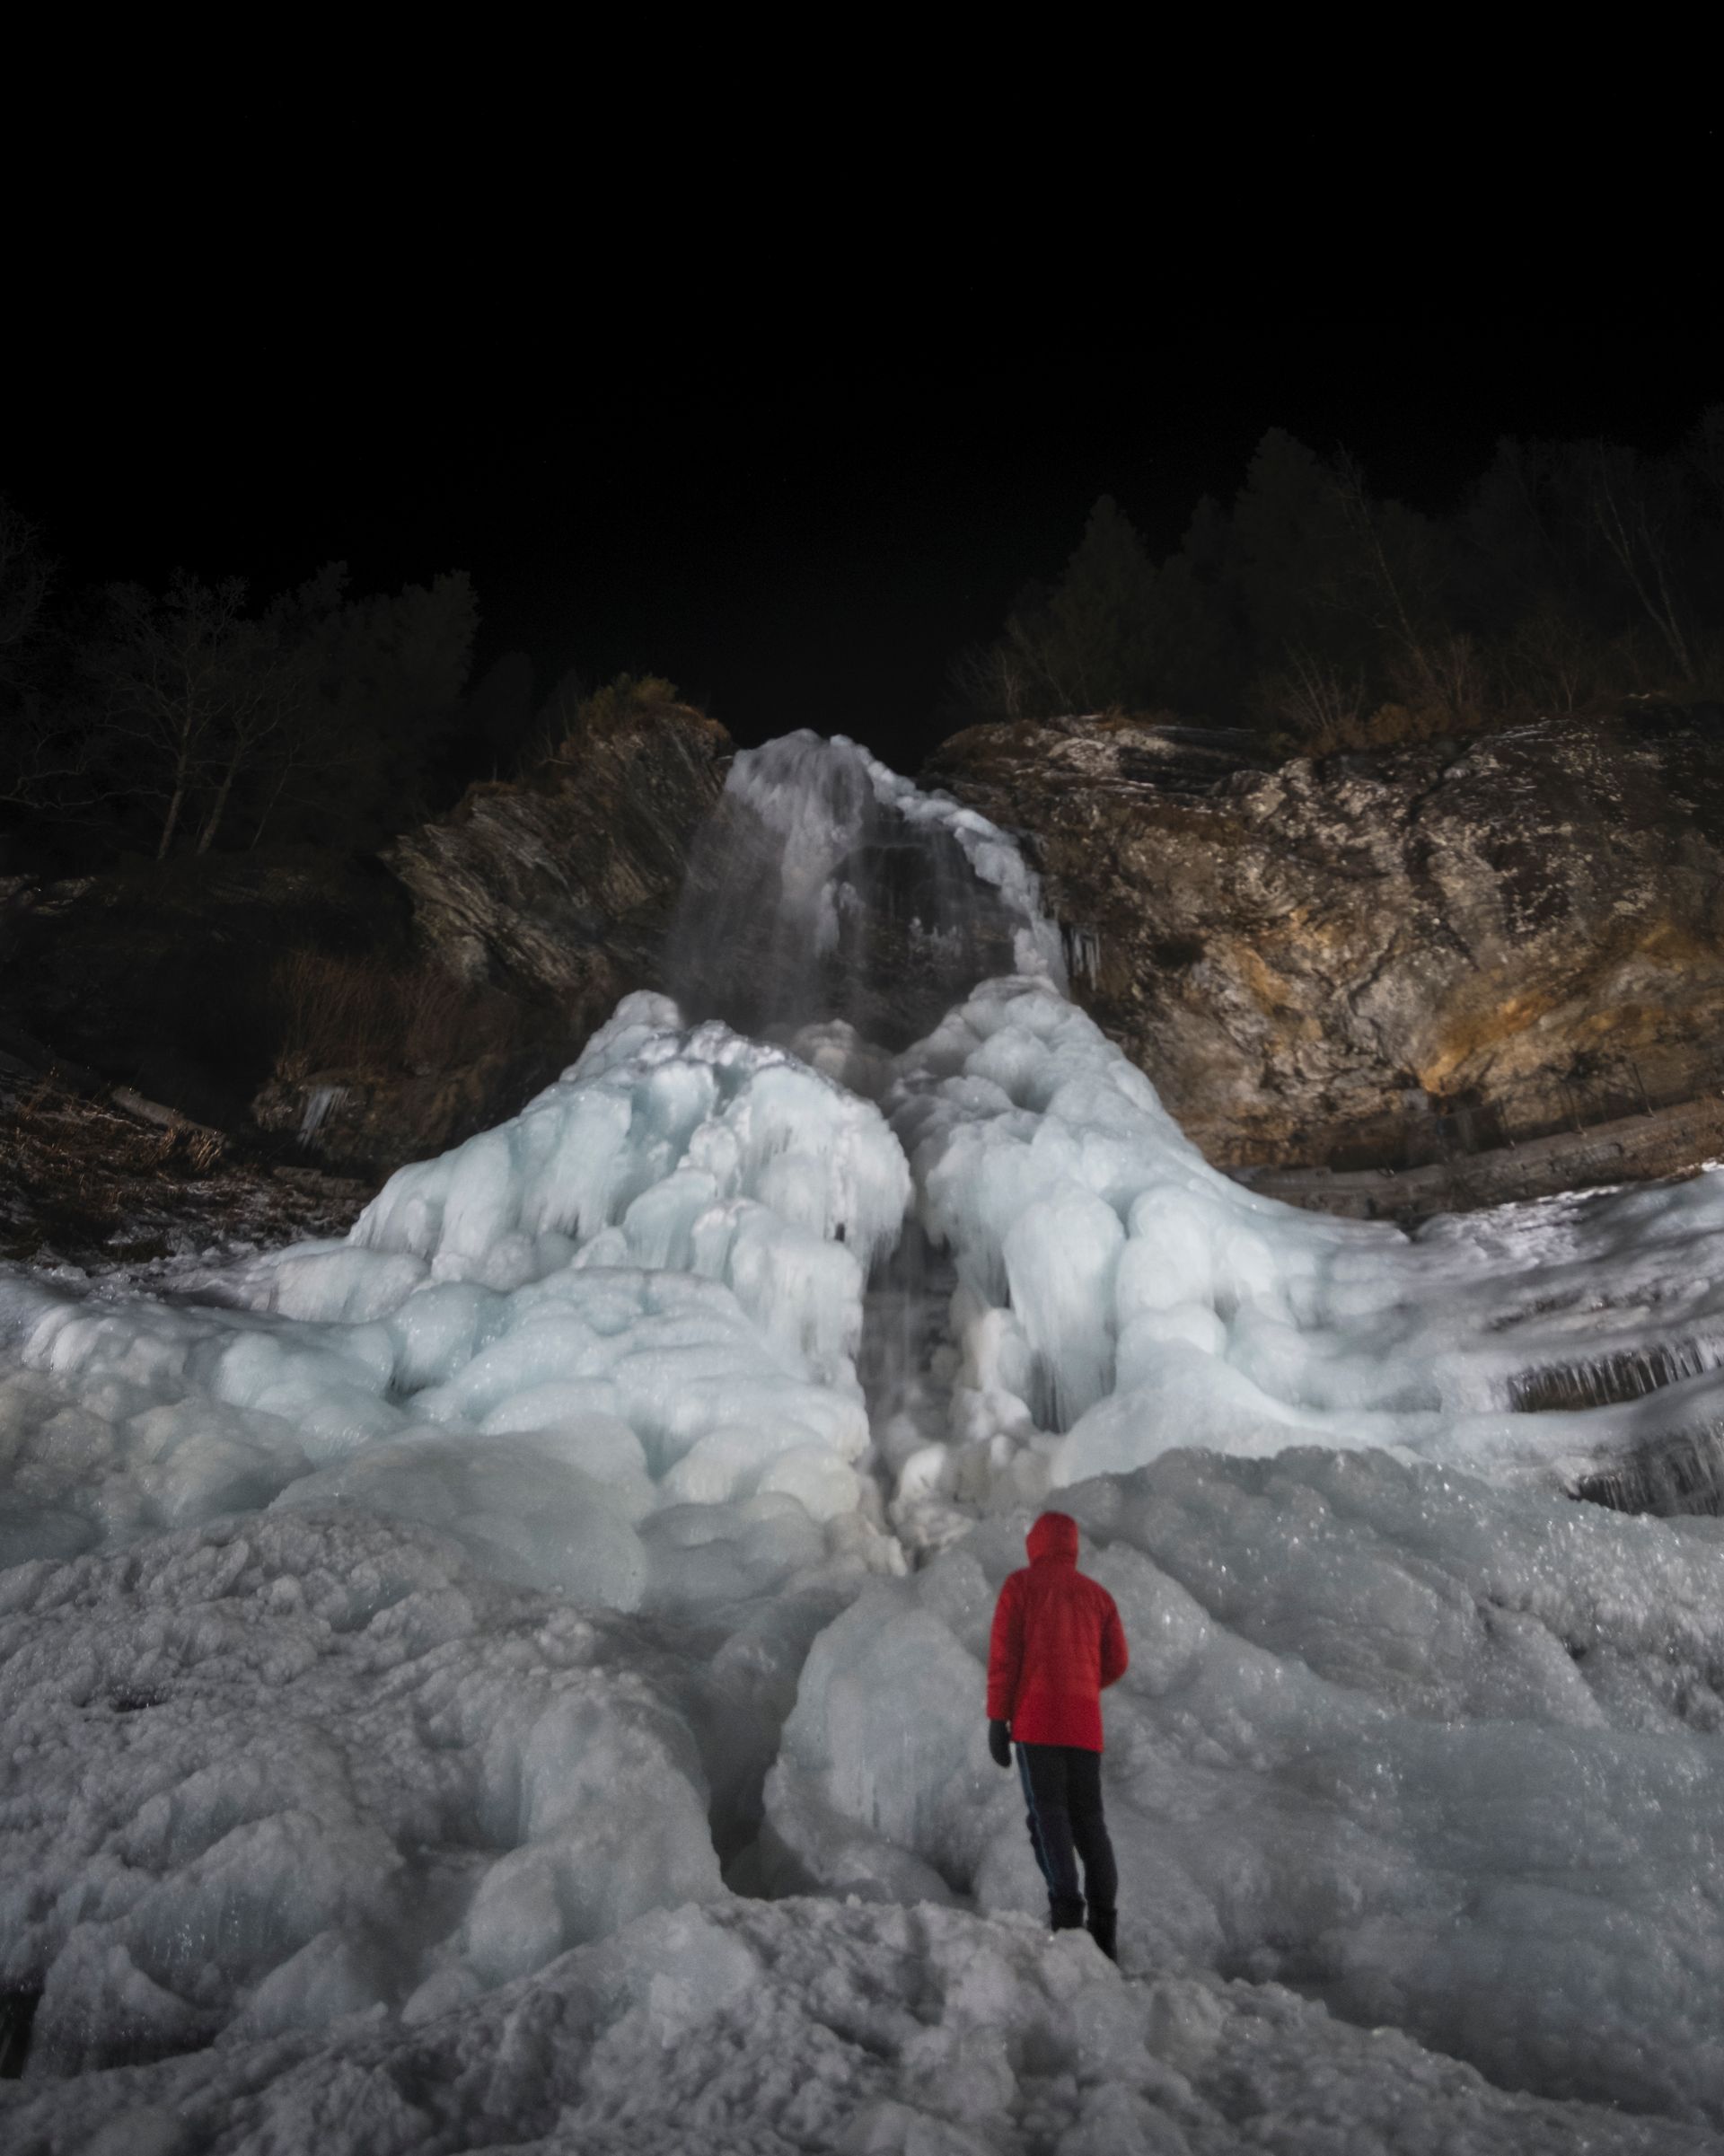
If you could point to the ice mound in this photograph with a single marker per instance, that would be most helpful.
(642, 1293)
(1116, 1296)
(577, 1405)
(843, 2030)
(263, 1776)
(690, 1151)
(1443, 1755)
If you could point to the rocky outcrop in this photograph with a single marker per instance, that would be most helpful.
(536, 904)
(564, 885)
(358, 1013)
(1385, 961)
(98, 1177)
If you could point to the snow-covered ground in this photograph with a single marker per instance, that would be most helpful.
(512, 1676)
(866, 2028)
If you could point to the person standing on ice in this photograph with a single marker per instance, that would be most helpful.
(1057, 1644)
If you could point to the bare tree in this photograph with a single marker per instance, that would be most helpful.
(1396, 584)
(26, 575)
(203, 694)
(1632, 510)
(263, 721)
(168, 679)
(45, 757)
(1555, 660)
(1003, 679)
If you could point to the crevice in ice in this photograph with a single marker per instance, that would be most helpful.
(18, 2004)
(1665, 1476)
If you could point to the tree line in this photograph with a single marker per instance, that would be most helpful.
(191, 719)
(1327, 616)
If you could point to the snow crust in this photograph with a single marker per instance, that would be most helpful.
(864, 2031)
(283, 1773)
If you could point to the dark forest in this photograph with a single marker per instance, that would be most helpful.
(1312, 609)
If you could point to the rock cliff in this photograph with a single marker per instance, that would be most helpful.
(1437, 977)
(544, 900)
(563, 884)
(1389, 961)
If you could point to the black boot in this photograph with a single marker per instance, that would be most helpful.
(1064, 1915)
(1102, 1927)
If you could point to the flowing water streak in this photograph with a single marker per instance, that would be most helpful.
(827, 890)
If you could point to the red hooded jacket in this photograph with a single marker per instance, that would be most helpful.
(1057, 1643)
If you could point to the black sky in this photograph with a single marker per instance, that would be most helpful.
(799, 528)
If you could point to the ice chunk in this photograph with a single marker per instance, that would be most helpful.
(648, 1100)
(1165, 1304)
(518, 1503)
(271, 1778)
(1061, 1255)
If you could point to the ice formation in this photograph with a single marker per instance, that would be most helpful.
(829, 886)
(1442, 1756)
(1115, 1295)
(414, 1642)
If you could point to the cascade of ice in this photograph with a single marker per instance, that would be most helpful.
(1081, 1290)
(825, 888)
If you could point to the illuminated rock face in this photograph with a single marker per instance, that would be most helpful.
(1388, 960)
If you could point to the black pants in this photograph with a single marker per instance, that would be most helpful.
(1062, 1787)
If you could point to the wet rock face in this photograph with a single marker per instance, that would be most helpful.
(1384, 960)
(565, 884)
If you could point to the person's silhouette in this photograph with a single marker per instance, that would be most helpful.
(1057, 1643)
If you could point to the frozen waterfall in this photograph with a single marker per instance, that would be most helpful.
(609, 1524)
(827, 889)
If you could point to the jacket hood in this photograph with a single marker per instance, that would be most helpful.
(1054, 1534)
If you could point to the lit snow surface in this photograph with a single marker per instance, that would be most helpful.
(514, 1678)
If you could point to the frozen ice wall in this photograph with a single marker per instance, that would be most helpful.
(642, 1292)
(1114, 1296)
(826, 887)
(305, 1739)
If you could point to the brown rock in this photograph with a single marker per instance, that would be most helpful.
(566, 883)
(1384, 960)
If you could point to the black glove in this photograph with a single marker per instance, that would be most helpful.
(999, 1742)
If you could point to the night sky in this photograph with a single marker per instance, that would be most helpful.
(801, 529)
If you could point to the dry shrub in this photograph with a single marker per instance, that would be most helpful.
(1388, 726)
(342, 1013)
